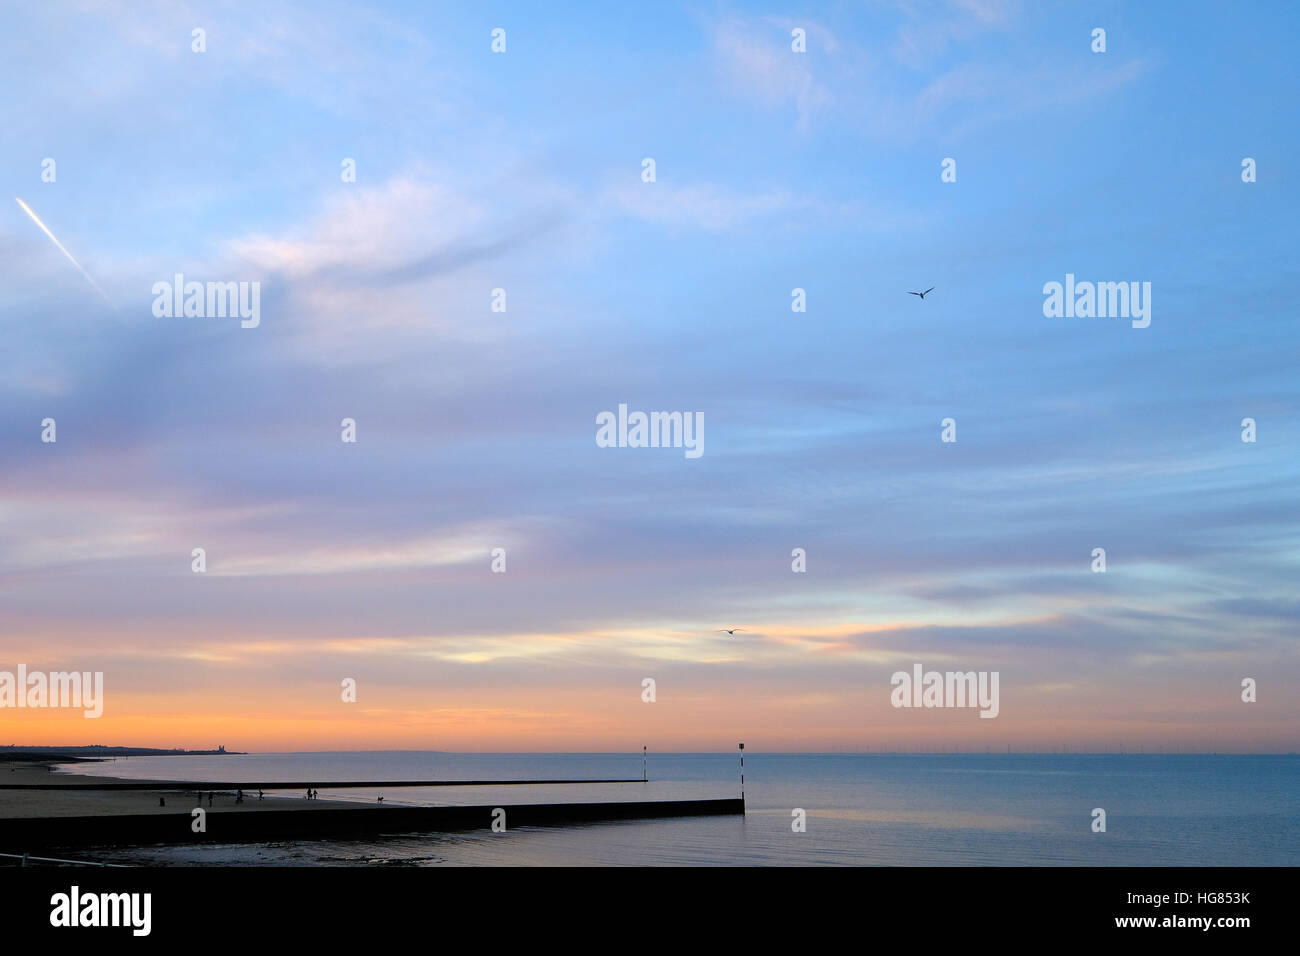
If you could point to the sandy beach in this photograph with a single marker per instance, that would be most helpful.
(51, 803)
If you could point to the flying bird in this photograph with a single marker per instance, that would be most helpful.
(45, 229)
(923, 294)
(730, 630)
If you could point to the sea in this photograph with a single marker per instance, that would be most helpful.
(856, 809)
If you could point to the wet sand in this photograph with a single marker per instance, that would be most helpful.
(50, 803)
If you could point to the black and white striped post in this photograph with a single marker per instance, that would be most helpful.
(742, 773)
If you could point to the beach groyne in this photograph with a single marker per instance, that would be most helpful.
(28, 835)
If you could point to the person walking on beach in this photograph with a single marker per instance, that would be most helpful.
(259, 794)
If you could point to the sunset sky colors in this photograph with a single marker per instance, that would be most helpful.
(476, 429)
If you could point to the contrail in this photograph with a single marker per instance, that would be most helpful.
(28, 209)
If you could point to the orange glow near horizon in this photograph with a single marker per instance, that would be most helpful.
(574, 720)
(790, 687)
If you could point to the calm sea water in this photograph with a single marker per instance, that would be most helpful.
(870, 809)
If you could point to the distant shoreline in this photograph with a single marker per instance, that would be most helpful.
(98, 752)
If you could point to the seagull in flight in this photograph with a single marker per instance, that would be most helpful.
(923, 294)
(730, 630)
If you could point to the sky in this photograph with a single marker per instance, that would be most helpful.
(774, 170)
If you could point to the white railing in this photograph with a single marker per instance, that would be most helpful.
(27, 858)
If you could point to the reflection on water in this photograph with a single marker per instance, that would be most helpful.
(949, 810)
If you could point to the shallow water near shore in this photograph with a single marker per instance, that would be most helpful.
(861, 809)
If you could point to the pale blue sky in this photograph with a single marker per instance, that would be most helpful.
(775, 170)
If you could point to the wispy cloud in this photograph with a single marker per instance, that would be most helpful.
(946, 65)
(703, 206)
(756, 62)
